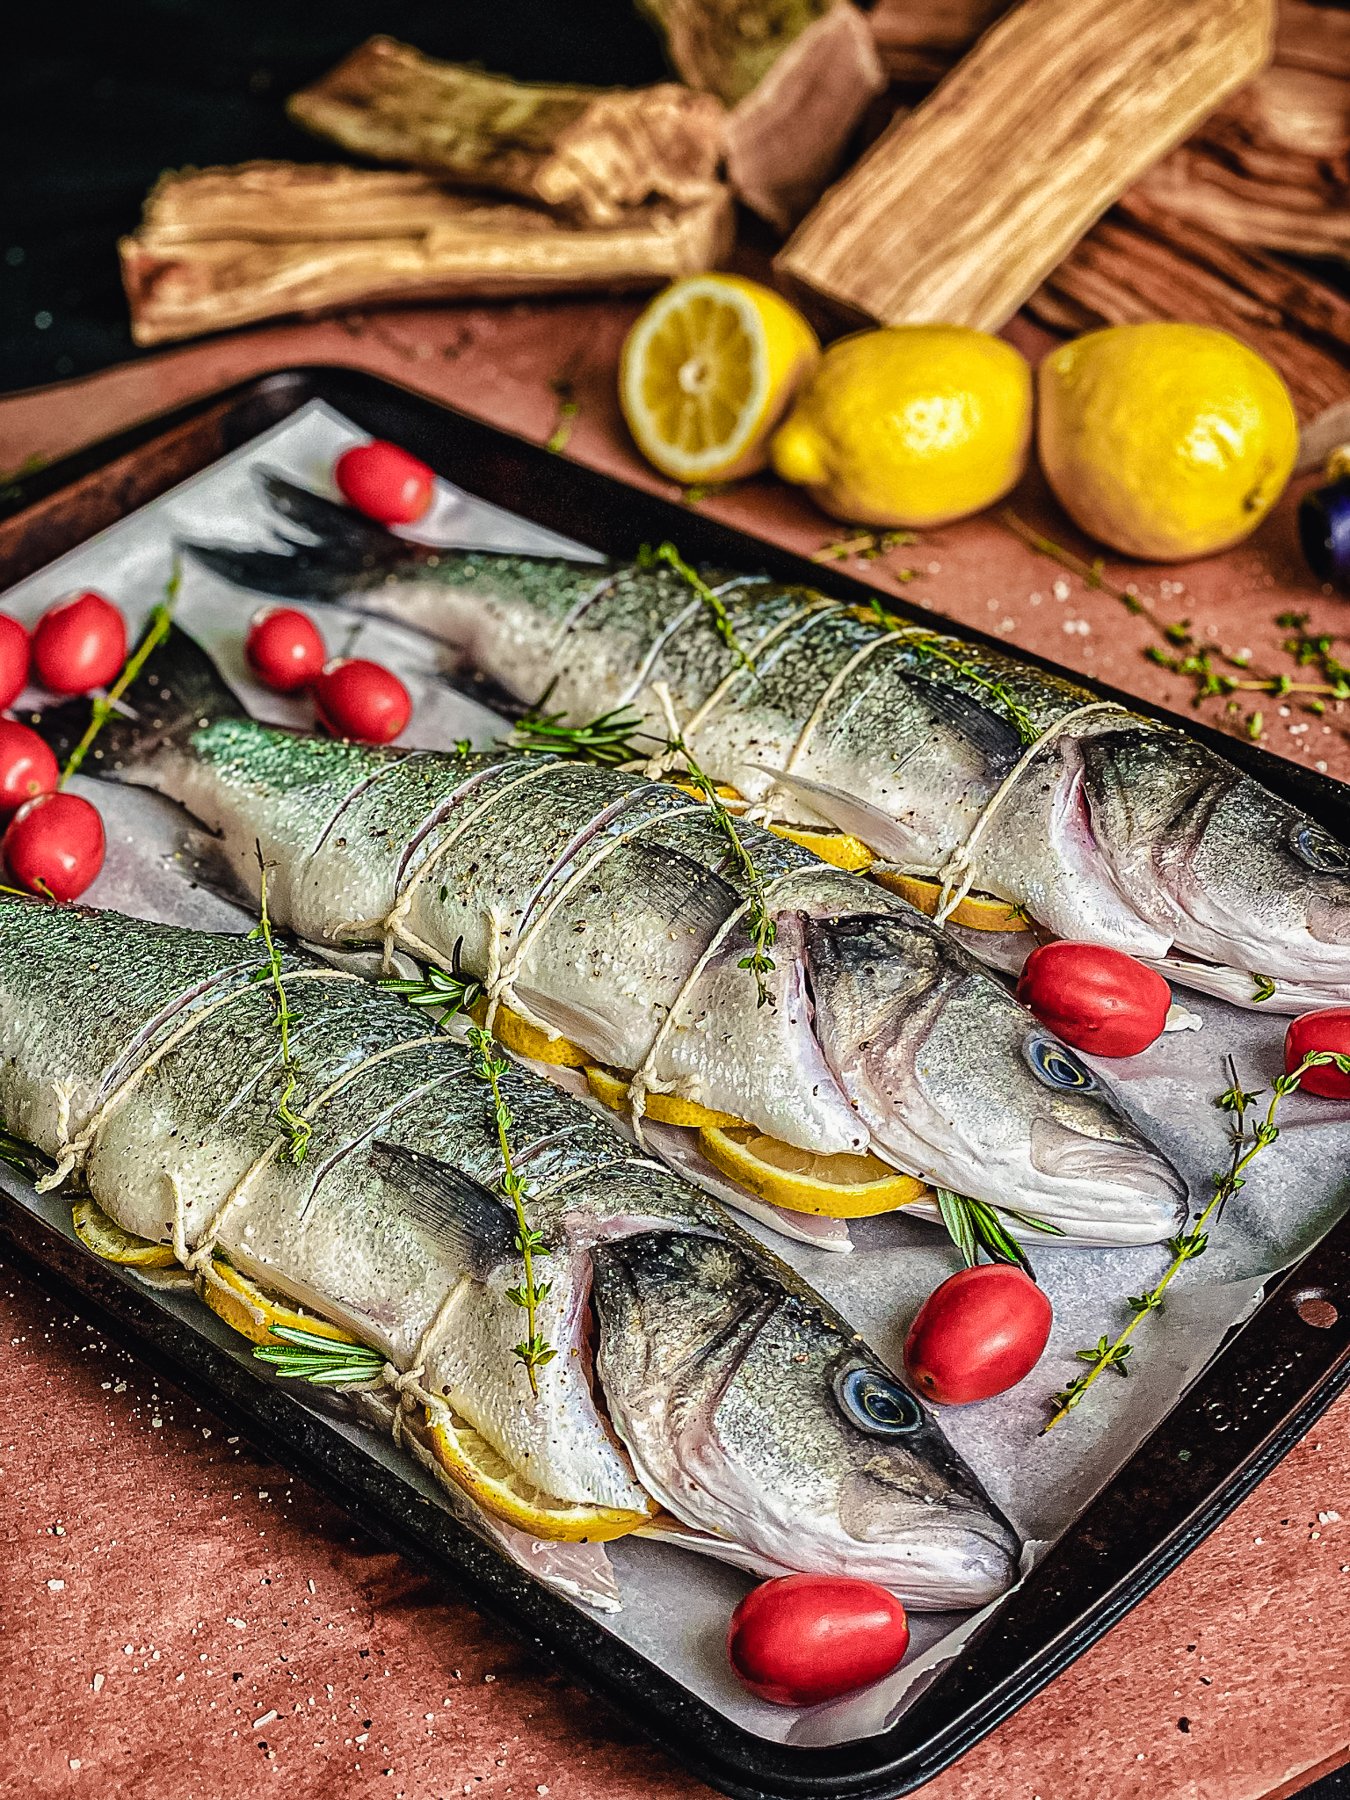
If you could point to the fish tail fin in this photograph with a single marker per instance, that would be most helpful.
(346, 551)
(178, 688)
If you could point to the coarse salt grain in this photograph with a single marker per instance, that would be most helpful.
(56, 1587)
(266, 1719)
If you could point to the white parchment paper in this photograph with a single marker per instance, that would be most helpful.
(676, 1605)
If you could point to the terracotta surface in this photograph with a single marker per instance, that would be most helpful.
(161, 1590)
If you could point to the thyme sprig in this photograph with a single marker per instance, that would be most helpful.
(617, 739)
(998, 691)
(568, 408)
(1247, 1143)
(533, 1350)
(608, 739)
(323, 1362)
(298, 1128)
(649, 558)
(157, 627)
(443, 992)
(867, 546)
(759, 920)
(973, 1226)
(1180, 652)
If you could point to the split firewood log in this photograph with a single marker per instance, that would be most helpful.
(963, 207)
(798, 76)
(224, 247)
(590, 152)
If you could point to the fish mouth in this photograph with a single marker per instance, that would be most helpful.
(1107, 1191)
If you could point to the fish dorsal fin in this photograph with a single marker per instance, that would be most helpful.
(457, 1210)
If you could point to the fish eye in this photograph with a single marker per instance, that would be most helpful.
(876, 1404)
(1057, 1066)
(1320, 851)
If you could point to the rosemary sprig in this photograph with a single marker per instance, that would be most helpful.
(156, 630)
(444, 992)
(998, 691)
(974, 1226)
(24, 1157)
(533, 1351)
(648, 558)
(1246, 1144)
(321, 1361)
(606, 739)
(298, 1128)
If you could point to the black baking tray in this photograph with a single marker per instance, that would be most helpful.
(1264, 1389)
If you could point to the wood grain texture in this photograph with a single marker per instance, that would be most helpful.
(226, 247)
(1141, 262)
(590, 152)
(962, 208)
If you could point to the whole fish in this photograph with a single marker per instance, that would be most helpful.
(361, 1177)
(947, 759)
(607, 910)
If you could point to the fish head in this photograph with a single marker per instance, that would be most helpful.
(958, 1083)
(1236, 874)
(757, 1418)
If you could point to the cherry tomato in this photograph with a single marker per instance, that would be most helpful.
(27, 766)
(384, 482)
(79, 644)
(1095, 998)
(362, 700)
(15, 652)
(1329, 1030)
(977, 1335)
(284, 649)
(801, 1639)
(55, 845)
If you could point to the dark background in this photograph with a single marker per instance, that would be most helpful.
(95, 104)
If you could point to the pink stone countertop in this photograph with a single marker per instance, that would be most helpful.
(179, 1621)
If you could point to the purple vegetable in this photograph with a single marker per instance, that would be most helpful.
(1324, 530)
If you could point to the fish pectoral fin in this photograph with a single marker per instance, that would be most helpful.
(459, 1212)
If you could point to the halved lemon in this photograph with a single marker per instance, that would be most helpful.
(837, 1187)
(708, 371)
(252, 1311)
(611, 1089)
(524, 1039)
(835, 847)
(978, 912)
(466, 1459)
(106, 1238)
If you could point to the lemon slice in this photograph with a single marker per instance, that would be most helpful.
(687, 787)
(106, 1238)
(468, 1461)
(611, 1090)
(523, 1039)
(835, 847)
(979, 912)
(252, 1311)
(708, 371)
(839, 1187)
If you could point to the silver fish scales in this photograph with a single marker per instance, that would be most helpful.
(143, 1060)
(946, 758)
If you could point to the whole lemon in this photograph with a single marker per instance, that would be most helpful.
(913, 425)
(1166, 441)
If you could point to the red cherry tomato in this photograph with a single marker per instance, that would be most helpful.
(977, 1335)
(801, 1639)
(362, 700)
(284, 649)
(55, 845)
(15, 651)
(384, 482)
(27, 766)
(1329, 1030)
(79, 645)
(1095, 998)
